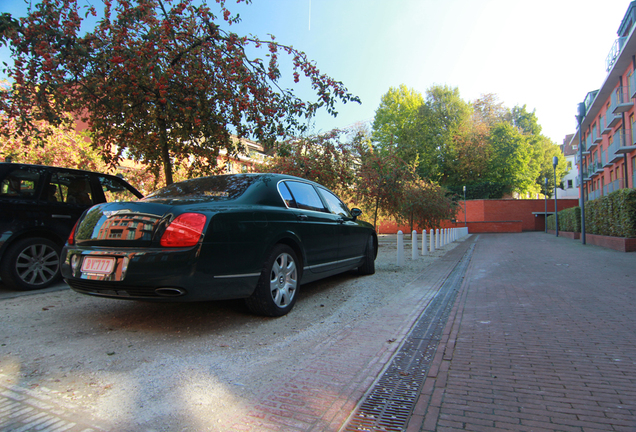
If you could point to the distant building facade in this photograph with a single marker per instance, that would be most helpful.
(608, 128)
(571, 181)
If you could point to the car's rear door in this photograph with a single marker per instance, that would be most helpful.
(20, 187)
(66, 196)
(318, 229)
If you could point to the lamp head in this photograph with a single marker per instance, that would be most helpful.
(555, 162)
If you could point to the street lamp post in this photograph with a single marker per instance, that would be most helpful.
(545, 200)
(465, 224)
(579, 118)
(555, 162)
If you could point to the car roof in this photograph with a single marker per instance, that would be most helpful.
(6, 165)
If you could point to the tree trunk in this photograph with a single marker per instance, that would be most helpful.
(165, 151)
(375, 215)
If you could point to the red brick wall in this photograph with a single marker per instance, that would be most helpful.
(503, 215)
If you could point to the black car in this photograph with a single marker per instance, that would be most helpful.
(38, 207)
(251, 236)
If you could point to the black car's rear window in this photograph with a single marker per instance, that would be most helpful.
(217, 188)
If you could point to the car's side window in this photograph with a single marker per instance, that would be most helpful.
(21, 183)
(305, 196)
(116, 190)
(70, 188)
(334, 204)
(287, 196)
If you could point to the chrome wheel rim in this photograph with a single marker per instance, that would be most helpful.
(37, 264)
(283, 280)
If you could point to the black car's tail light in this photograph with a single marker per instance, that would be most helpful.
(184, 231)
(71, 236)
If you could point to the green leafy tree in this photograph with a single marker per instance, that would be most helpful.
(442, 118)
(526, 121)
(543, 152)
(395, 125)
(159, 81)
(489, 111)
(510, 158)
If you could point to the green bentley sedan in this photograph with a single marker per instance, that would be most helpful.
(252, 236)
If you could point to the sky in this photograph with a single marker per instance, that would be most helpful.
(545, 54)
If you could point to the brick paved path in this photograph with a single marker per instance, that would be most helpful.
(336, 374)
(542, 338)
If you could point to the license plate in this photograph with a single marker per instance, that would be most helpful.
(98, 265)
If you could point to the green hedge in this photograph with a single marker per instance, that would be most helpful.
(569, 220)
(610, 215)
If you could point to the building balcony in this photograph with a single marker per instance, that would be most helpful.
(614, 52)
(625, 141)
(613, 186)
(603, 159)
(589, 143)
(594, 194)
(597, 138)
(604, 128)
(621, 100)
(613, 119)
(599, 167)
(632, 85)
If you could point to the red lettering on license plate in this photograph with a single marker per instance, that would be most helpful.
(98, 265)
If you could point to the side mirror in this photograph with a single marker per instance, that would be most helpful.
(355, 212)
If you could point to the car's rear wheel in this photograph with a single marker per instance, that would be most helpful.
(368, 267)
(277, 288)
(32, 263)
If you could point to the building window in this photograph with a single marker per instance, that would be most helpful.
(569, 184)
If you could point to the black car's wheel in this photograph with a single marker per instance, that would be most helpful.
(275, 293)
(32, 263)
(368, 267)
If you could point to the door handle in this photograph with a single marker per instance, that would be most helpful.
(302, 217)
(54, 216)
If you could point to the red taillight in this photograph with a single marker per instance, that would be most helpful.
(71, 236)
(184, 231)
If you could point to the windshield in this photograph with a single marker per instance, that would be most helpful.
(217, 188)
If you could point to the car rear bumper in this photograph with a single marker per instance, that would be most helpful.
(158, 275)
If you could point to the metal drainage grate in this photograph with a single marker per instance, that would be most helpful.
(390, 402)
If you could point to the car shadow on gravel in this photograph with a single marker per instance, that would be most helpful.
(315, 300)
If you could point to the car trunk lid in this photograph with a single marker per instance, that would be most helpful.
(130, 224)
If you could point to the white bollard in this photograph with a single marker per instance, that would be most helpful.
(414, 245)
(432, 240)
(437, 238)
(424, 246)
(400, 248)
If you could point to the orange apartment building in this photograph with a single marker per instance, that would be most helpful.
(608, 129)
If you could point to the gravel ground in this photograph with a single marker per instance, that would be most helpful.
(124, 363)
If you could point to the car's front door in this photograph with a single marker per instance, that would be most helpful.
(352, 237)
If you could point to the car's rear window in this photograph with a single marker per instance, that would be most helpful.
(22, 182)
(217, 188)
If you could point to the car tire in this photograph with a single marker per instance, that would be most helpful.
(368, 267)
(277, 288)
(31, 263)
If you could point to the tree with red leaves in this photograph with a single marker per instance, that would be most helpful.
(159, 81)
(324, 158)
